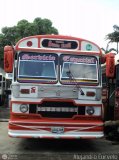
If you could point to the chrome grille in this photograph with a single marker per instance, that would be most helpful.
(57, 109)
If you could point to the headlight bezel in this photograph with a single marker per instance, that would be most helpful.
(93, 110)
(24, 108)
(90, 110)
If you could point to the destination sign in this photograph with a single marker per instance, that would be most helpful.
(59, 44)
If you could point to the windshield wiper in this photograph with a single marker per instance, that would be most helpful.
(72, 79)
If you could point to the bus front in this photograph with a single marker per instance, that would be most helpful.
(56, 89)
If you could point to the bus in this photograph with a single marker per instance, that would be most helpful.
(2, 86)
(5, 87)
(7, 90)
(110, 98)
(56, 88)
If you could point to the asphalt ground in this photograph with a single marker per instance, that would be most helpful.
(41, 149)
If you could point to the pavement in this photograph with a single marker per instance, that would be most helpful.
(4, 113)
(40, 149)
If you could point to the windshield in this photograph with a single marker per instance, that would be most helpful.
(37, 66)
(49, 68)
(81, 68)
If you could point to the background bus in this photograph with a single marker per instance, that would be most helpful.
(110, 96)
(5, 87)
(2, 86)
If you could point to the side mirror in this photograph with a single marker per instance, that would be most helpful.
(110, 65)
(8, 59)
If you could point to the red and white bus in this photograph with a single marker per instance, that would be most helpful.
(56, 88)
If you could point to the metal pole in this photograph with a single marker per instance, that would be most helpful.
(117, 47)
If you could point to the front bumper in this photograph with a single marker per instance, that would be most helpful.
(65, 130)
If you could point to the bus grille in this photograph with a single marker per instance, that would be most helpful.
(57, 109)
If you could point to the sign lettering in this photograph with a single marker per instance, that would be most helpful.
(89, 60)
(38, 57)
(59, 44)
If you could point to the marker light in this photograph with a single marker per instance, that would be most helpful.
(24, 108)
(29, 43)
(25, 91)
(90, 94)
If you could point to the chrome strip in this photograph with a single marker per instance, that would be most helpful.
(43, 134)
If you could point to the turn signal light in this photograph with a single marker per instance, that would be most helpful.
(25, 91)
(90, 94)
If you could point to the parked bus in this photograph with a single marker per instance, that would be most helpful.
(110, 98)
(56, 88)
(7, 90)
(5, 87)
(2, 86)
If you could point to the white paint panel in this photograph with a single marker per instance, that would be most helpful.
(16, 108)
(84, 97)
(33, 91)
(87, 46)
(23, 44)
(97, 111)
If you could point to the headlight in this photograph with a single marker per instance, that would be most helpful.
(93, 110)
(24, 108)
(90, 110)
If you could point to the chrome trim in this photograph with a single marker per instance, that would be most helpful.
(46, 134)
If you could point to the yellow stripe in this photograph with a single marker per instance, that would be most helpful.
(35, 79)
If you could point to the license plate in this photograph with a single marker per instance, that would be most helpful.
(57, 130)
